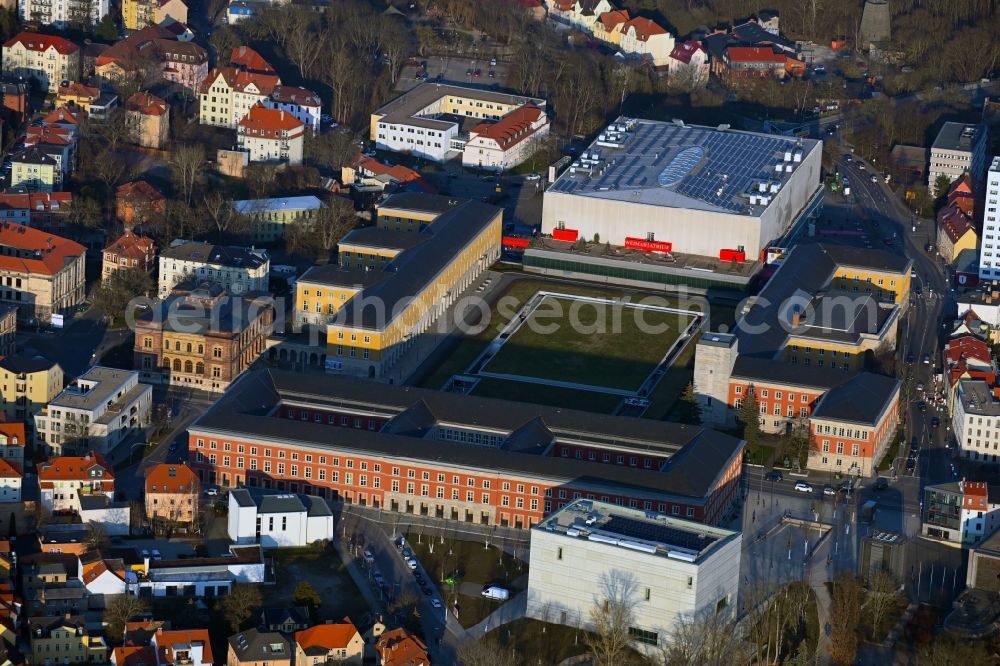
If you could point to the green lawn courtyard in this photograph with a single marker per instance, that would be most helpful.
(598, 344)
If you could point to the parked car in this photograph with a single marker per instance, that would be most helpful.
(412, 563)
(910, 358)
(803, 487)
(874, 179)
(532, 177)
(369, 556)
(881, 483)
(935, 422)
(828, 490)
(212, 492)
(774, 475)
(436, 602)
(496, 592)
(927, 359)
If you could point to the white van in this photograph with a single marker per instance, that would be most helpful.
(496, 592)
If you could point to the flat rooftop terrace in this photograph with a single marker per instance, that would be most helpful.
(633, 529)
(674, 260)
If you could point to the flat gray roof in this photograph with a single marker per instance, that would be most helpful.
(251, 206)
(645, 531)
(957, 136)
(685, 166)
(108, 382)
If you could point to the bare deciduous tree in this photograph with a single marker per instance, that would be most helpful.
(844, 613)
(708, 638)
(317, 237)
(186, 164)
(611, 617)
(882, 596)
(120, 610)
(487, 652)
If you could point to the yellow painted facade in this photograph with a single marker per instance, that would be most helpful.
(322, 298)
(25, 394)
(362, 256)
(884, 286)
(379, 346)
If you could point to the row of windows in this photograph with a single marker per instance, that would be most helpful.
(855, 448)
(851, 433)
(764, 394)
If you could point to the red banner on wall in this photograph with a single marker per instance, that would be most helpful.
(519, 243)
(648, 245)
(566, 234)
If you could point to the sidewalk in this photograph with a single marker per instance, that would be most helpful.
(514, 609)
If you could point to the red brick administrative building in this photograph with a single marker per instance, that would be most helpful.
(454, 456)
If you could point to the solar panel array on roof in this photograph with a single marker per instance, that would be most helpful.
(716, 167)
(651, 531)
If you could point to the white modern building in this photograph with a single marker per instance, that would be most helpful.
(278, 521)
(989, 249)
(438, 122)
(238, 270)
(62, 14)
(958, 148)
(665, 568)
(197, 577)
(98, 411)
(975, 422)
(686, 189)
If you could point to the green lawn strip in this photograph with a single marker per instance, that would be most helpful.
(674, 381)
(588, 401)
(513, 298)
(471, 563)
(607, 350)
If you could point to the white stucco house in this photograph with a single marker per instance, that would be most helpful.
(278, 521)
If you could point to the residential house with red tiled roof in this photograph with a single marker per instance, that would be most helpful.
(967, 357)
(502, 145)
(961, 194)
(748, 62)
(100, 576)
(271, 135)
(129, 252)
(646, 39)
(13, 438)
(246, 59)
(582, 14)
(46, 59)
(368, 171)
(190, 647)
(139, 202)
(689, 63)
(42, 210)
(608, 27)
(10, 481)
(133, 655)
(337, 642)
(63, 479)
(149, 119)
(77, 94)
(158, 52)
(955, 233)
(171, 492)
(228, 94)
(398, 647)
(46, 272)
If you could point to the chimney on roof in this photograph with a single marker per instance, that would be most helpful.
(796, 317)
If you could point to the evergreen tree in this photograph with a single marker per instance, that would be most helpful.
(689, 411)
(750, 416)
(106, 30)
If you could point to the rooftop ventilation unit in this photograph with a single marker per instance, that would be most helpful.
(797, 156)
(788, 168)
(775, 187)
(788, 156)
(762, 187)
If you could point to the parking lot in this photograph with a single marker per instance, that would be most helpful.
(459, 71)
